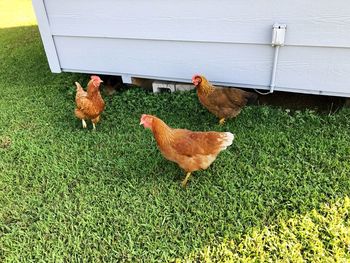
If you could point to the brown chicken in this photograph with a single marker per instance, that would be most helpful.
(90, 104)
(192, 151)
(224, 103)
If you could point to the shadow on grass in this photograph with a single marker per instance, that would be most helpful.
(113, 188)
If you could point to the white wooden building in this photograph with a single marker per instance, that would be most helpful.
(227, 41)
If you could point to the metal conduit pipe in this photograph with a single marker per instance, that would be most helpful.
(278, 36)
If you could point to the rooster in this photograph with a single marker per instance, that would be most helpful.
(89, 103)
(192, 151)
(223, 102)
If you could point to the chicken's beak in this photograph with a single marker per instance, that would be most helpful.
(141, 122)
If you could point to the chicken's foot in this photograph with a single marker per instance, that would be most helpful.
(84, 123)
(95, 121)
(222, 121)
(184, 182)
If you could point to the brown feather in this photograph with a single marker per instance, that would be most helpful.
(89, 105)
(223, 102)
(192, 151)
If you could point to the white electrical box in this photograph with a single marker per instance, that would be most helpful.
(278, 34)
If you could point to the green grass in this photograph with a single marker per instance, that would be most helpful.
(280, 192)
(318, 236)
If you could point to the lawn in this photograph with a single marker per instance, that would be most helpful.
(279, 193)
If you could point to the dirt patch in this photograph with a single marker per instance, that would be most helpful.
(297, 101)
(5, 142)
(111, 84)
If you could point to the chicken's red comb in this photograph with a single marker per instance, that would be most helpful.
(94, 77)
(196, 76)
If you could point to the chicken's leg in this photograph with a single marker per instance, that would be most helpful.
(84, 123)
(184, 182)
(95, 121)
(222, 121)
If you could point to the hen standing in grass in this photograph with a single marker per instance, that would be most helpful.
(89, 104)
(224, 103)
(192, 151)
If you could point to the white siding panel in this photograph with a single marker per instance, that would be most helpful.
(310, 23)
(236, 64)
(228, 63)
(318, 69)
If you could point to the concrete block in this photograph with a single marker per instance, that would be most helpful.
(157, 86)
(184, 87)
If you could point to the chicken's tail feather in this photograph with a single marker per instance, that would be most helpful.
(227, 139)
(79, 87)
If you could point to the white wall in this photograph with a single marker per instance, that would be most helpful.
(228, 41)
